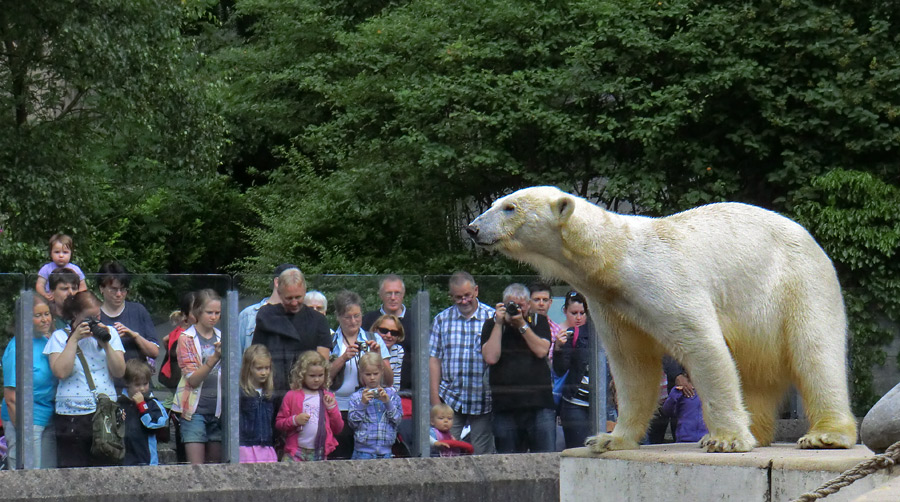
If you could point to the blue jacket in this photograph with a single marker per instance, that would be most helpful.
(257, 418)
(141, 428)
(689, 414)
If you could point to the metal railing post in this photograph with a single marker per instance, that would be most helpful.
(598, 383)
(231, 371)
(421, 323)
(25, 381)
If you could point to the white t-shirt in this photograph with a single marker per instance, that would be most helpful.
(312, 405)
(73, 396)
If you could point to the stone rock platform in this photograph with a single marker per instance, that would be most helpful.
(684, 472)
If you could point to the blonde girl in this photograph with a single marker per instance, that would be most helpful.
(309, 414)
(257, 407)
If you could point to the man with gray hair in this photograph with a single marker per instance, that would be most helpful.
(515, 344)
(290, 328)
(247, 317)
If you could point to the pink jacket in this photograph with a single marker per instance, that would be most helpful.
(293, 405)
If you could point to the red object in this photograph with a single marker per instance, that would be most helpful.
(407, 404)
(462, 446)
(166, 368)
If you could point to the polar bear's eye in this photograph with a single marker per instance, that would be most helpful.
(509, 208)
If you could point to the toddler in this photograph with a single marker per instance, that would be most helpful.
(61, 248)
(374, 412)
(309, 414)
(442, 442)
(688, 414)
(144, 415)
(257, 408)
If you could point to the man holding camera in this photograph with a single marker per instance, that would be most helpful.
(515, 345)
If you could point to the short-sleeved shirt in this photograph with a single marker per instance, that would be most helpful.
(206, 404)
(287, 336)
(44, 382)
(48, 268)
(519, 380)
(73, 396)
(456, 341)
(351, 367)
(136, 318)
(405, 380)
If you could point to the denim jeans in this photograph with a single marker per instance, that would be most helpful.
(44, 445)
(576, 423)
(520, 431)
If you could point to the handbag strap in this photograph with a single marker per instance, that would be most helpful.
(87, 369)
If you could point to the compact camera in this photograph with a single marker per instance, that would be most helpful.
(362, 347)
(512, 309)
(97, 331)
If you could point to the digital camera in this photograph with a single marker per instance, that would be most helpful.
(512, 309)
(97, 331)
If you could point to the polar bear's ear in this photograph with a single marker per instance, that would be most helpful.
(563, 208)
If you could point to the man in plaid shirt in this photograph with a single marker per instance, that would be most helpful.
(459, 375)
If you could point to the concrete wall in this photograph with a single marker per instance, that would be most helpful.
(532, 477)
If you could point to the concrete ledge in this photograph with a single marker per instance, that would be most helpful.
(677, 472)
(490, 477)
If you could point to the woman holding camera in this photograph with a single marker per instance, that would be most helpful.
(75, 403)
(350, 342)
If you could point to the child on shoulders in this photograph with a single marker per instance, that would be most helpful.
(144, 415)
(309, 415)
(61, 248)
(374, 412)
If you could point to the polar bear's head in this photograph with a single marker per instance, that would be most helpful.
(528, 225)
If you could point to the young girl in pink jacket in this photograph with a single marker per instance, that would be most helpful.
(309, 415)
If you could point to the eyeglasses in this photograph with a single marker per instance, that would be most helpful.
(394, 332)
(116, 290)
(464, 298)
(353, 317)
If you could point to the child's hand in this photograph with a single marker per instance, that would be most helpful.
(301, 419)
(365, 396)
(441, 444)
(330, 402)
(138, 397)
(382, 395)
(218, 347)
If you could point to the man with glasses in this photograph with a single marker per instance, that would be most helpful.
(392, 291)
(459, 374)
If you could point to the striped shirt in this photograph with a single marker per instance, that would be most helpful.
(456, 341)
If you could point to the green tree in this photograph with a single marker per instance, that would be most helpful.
(110, 134)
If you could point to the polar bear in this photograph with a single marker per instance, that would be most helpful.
(743, 297)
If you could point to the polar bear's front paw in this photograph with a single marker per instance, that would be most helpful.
(607, 442)
(727, 444)
(823, 439)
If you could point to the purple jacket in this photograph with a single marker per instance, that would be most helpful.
(689, 414)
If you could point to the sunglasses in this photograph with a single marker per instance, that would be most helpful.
(394, 332)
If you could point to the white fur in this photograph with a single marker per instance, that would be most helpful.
(742, 296)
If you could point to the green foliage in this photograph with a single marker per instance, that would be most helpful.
(856, 218)
(111, 135)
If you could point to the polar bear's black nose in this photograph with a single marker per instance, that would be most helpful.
(472, 230)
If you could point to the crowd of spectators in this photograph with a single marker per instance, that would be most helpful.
(503, 378)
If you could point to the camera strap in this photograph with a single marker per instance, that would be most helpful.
(87, 371)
